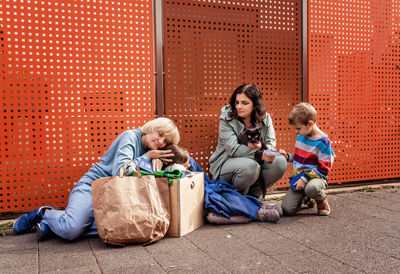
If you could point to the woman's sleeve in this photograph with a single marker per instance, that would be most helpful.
(125, 154)
(228, 138)
(269, 137)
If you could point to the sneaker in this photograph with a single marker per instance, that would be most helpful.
(323, 207)
(269, 215)
(43, 232)
(277, 207)
(310, 202)
(25, 222)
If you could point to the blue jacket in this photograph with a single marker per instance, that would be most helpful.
(125, 150)
(222, 198)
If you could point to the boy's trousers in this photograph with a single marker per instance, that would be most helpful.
(293, 200)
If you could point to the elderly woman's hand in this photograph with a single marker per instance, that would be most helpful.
(163, 155)
(159, 157)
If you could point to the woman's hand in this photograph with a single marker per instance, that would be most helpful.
(268, 158)
(163, 155)
(254, 145)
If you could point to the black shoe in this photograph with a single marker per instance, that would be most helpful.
(43, 232)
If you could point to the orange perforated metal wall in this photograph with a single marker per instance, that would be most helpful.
(354, 80)
(74, 74)
(211, 47)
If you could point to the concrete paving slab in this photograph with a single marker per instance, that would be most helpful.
(360, 236)
(355, 255)
(22, 261)
(49, 262)
(260, 236)
(314, 262)
(232, 252)
(367, 216)
(113, 259)
(18, 243)
(72, 270)
(75, 256)
(182, 255)
(58, 245)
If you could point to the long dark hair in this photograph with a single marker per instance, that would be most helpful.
(254, 94)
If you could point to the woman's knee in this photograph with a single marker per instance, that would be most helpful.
(280, 165)
(72, 233)
(245, 175)
(271, 173)
(249, 170)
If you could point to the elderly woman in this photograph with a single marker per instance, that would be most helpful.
(78, 218)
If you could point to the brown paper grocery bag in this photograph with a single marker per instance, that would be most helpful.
(130, 209)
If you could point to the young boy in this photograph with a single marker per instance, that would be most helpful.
(180, 160)
(313, 154)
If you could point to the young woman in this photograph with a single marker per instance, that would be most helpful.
(248, 167)
(78, 218)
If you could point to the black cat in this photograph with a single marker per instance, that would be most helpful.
(251, 135)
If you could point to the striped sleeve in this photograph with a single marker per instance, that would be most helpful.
(314, 156)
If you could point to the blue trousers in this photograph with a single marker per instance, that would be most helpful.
(78, 218)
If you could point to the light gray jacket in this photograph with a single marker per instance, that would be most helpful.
(228, 146)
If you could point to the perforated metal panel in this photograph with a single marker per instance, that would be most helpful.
(211, 47)
(354, 83)
(74, 74)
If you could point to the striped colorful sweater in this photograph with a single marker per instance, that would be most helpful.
(313, 156)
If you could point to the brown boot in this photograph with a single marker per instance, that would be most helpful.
(323, 207)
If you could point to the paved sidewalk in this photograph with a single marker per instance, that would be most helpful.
(361, 235)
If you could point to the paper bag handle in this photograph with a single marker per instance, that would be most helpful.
(135, 172)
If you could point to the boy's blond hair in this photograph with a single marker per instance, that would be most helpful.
(302, 113)
(165, 127)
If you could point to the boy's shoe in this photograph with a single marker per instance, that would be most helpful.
(310, 202)
(269, 215)
(25, 222)
(323, 207)
(268, 205)
(43, 232)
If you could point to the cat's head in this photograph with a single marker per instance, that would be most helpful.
(253, 135)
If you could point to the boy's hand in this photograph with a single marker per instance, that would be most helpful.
(157, 164)
(284, 153)
(254, 145)
(300, 184)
